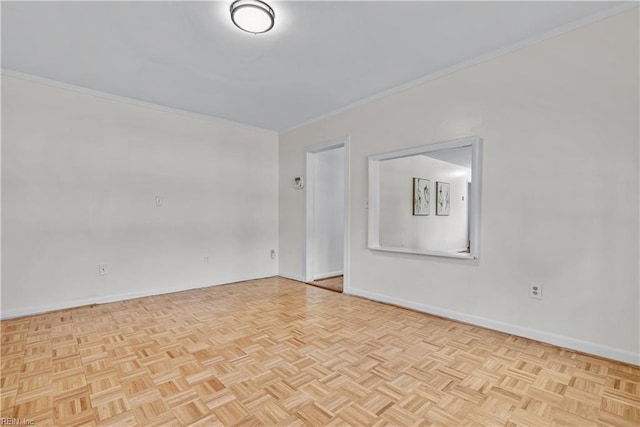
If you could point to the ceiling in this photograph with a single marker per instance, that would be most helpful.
(320, 57)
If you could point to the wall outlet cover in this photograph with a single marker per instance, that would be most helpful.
(535, 290)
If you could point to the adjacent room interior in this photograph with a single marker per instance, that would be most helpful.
(320, 213)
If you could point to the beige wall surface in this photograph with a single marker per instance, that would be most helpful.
(560, 122)
(80, 174)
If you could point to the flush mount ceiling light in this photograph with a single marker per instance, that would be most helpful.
(252, 16)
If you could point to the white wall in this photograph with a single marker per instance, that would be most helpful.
(328, 251)
(400, 228)
(560, 122)
(79, 178)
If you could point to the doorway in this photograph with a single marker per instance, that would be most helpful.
(327, 215)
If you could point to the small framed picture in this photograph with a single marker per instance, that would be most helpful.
(442, 198)
(421, 196)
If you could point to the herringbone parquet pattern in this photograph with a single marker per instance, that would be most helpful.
(278, 352)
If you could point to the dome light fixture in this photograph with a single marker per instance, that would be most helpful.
(252, 16)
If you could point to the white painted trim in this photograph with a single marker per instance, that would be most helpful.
(295, 277)
(126, 100)
(475, 198)
(307, 256)
(509, 328)
(28, 311)
(346, 263)
(1, 150)
(473, 61)
(446, 254)
(327, 275)
(373, 205)
(308, 164)
(427, 148)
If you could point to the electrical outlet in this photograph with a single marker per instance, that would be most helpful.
(273, 254)
(102, 270)
(535, 290)
(207, 260)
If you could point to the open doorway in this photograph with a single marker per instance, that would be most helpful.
(327, 214)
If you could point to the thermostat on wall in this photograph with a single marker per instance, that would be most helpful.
(297, 182)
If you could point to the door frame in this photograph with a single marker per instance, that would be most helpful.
(309, 214)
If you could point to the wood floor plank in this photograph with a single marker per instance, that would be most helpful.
(331, 283)
(279, 352)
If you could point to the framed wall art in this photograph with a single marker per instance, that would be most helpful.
(421, 196)
(442, 198)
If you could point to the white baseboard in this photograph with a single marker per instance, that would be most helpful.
(29, 311)
(295, 277)
(327, 275)
(535, 334)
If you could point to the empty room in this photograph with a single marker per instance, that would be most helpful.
(323, 213)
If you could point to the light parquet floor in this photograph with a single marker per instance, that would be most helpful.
(278, 352)
(331, 283)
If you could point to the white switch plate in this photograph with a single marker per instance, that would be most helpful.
(158, 202)
(102, 270)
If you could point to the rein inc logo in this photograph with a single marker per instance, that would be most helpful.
(8, 421)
